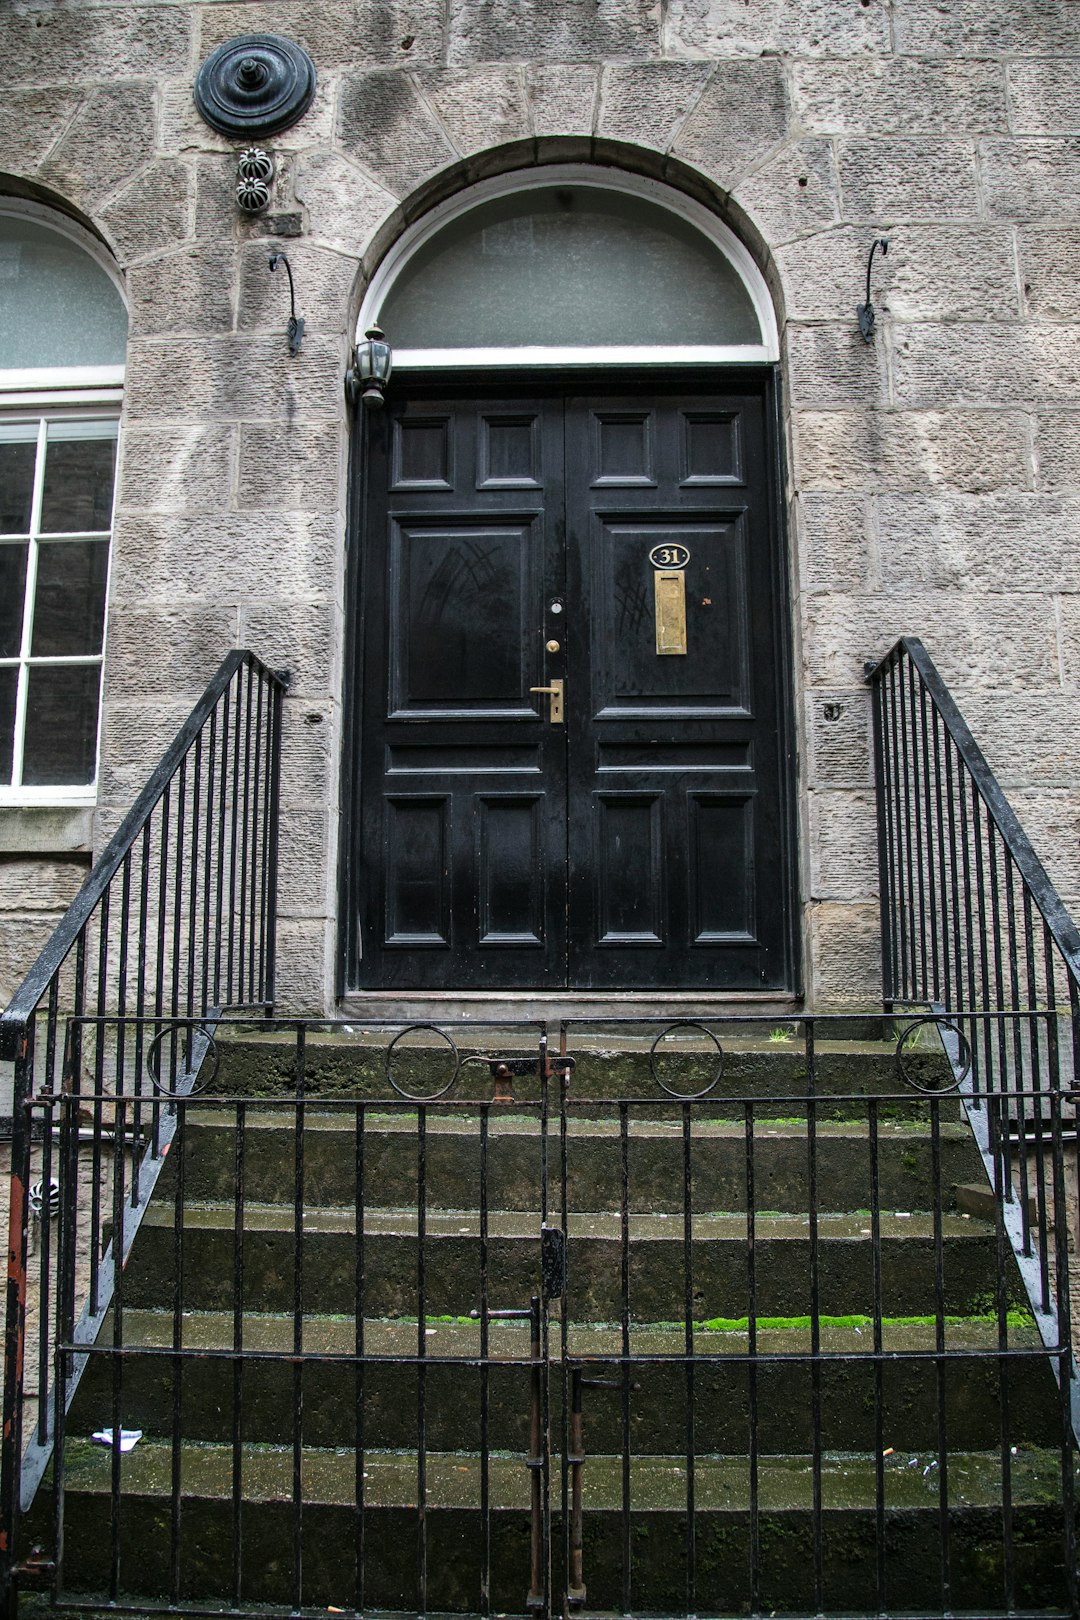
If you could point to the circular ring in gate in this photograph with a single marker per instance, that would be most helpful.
(211, 1060)
(422, 1096)
(687, 1096)
(928, 1077)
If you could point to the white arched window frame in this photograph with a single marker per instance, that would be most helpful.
(683, 208)
(54, 564)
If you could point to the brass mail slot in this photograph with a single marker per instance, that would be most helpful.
(670, 591)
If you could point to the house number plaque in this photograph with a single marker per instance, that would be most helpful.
(669, 587)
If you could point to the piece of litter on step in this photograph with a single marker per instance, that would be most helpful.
(430, 1332)
(128, 1438)
(903, 1214)
(889, 1451)
(864, 1231)
(927, 1469)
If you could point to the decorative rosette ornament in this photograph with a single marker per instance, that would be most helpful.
(255, 85)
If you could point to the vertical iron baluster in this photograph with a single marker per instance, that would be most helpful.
(1065, 1359)
(253, 847)
(15, 1318)
(140, 997)
(66, 1262)
(568, 1448)
(298, 1322)
(948, 754)
(115, 1360)
(974, 1000)
(230, 973)
(221, 932)
(264, 851)
(927, 864)
(910, 979)
(97, 1029)
(122, 968)
(1001, 1000)
(164, 826)
(239, 1197)
(179, 1148)
(193, 881)
(997, 1125)
(245, 836)
(178, 888)
(879, 1350)
(624, 1347)
(273, 822)
(752, 1351)
(421, 1354)
(688, 1338)
(485, 1351)
(360, 1393)
(208, 854)
(886, 854)
(983, 998)
(545, 1326)
(45, 1284)
(939, 1354)
(815, 1308)
(942, 947)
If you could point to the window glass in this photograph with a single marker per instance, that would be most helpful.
(12, 597)
(9, 682)
(78, 486)
(566, 266)
(52, 605)
(61, 725)
(18, 446)
(69, 603)
(60, 307)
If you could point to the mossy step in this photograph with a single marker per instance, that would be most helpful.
(654, 1160)
(973, 1384)
(607, 1063)
(658, 1486)
(452, 1254)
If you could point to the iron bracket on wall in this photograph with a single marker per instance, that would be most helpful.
(866, 312)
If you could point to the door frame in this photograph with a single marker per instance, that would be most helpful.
(614, 379)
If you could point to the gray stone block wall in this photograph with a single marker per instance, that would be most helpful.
(933, 479)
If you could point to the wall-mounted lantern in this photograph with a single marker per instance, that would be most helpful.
(367, 378)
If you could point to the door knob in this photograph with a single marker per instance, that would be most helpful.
(555, 692)
(552, 646)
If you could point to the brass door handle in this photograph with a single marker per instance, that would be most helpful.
(556, 713)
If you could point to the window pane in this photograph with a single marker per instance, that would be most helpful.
(60, 307)
(12, 586)
(568, 265)
(78, 483)
(9, 681)
(61, 726)
(17, 479)
(69, 604)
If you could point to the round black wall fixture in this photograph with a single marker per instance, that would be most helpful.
(255, 85)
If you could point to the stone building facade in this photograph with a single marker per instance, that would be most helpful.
(931, 478)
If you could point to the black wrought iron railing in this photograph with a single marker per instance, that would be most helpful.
(636, 1317)
(175, 922)
(974, 930)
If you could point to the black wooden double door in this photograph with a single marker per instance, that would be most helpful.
(641, 836)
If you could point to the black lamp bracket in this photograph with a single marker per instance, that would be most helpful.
(866, 312)
(295, 329)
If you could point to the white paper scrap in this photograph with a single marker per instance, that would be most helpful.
(129, 1438)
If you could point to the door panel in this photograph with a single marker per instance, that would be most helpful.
(645, 842)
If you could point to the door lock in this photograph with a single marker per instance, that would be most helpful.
(555, 692)
(552, 646)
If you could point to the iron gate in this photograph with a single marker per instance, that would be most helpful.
(636, 1319)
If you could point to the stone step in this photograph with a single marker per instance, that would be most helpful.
(654, 1159)
(452, 1257)
(658, 1499)
(333, 1390)
(609, 1062)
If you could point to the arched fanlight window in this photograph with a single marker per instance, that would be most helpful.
(62, 347)
(560, 266)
